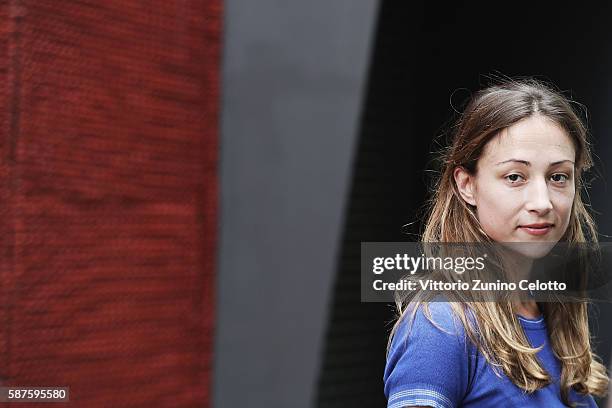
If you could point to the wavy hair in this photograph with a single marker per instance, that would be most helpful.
(493, 326)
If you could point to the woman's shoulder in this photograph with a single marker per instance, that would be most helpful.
(435, 318)
(428, 356)
(433, 331)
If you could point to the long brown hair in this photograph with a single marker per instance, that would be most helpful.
(499, 335)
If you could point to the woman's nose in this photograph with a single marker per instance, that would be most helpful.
(538, 197)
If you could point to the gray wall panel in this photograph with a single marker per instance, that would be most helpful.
(293, 79)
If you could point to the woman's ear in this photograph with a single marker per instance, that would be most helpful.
(465, 184)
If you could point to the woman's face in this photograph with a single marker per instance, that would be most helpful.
(524, 188)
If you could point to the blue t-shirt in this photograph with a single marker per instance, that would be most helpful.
(445, 370)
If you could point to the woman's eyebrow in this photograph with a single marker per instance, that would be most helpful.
(525, 162)
(561, 161)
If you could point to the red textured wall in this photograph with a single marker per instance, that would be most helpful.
(108, 192)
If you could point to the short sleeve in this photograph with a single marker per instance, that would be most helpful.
(428, 365)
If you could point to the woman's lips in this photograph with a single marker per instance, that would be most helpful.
(537, 229)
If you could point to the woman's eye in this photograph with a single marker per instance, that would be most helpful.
(559, 178)
(514, 178)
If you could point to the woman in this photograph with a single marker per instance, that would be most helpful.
(512, 174)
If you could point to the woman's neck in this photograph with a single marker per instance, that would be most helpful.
(519, 267)
(528, 309)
